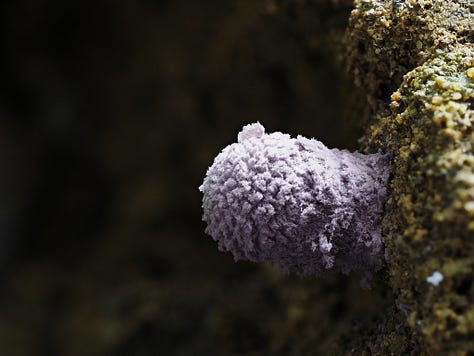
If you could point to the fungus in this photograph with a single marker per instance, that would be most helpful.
(270, 197)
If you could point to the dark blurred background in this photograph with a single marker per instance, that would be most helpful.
(110, 114)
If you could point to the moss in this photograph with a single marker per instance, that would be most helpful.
(386, 39)
(415, 58)
(429, 219)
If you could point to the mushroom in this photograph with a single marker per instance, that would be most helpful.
(270, 197)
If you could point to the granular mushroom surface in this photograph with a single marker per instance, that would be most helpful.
(270, 197)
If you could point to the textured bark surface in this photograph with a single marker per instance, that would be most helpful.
(416, 60)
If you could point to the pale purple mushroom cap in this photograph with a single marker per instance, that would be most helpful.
(270, 197)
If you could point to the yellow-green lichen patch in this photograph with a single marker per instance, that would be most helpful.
(415, 61)
(386, 39)
(430, 216)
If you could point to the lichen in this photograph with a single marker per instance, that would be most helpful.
(386, 39)
(416, 60)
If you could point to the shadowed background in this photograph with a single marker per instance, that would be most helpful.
(110, 115)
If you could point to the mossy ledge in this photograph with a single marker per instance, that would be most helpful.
(415, 58)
